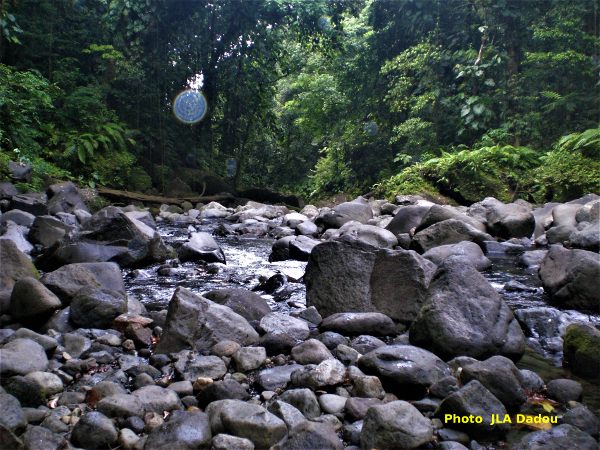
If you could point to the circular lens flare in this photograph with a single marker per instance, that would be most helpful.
(371, 128)
(190, 106)
(323, 23)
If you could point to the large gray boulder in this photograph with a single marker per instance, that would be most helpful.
(329, 372)
(94, 307)
(581, 350)
(46, 230)
(352, 324)
(370, 234)
(467, 249)
(395, 425)
(297, 329)
(185, 430)
(450, 231)
(107, 236)
(68, 280)
(439, 213)
(11, 414)
(253, 422)
(358, 209)
(22, 356)
(505, 221)
(500, 376)
(474, 399)
(36, 204)
(351, 276)
(311, 435)
(562, 437)
(404, 370)
(14, 266)
(19, 217)
(571, 277)
(157, 399)
(94, 430)
(588, 238)
(463, 315)
(247, 304)
(201, 247)
(18, 234)
(194, 322)
(64, 197)
(407, 218)
(31, 303)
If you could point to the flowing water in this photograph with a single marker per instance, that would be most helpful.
(248, 263)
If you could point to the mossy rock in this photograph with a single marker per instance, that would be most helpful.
(581, 349)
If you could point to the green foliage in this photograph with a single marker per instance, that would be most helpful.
(499, 171)
(571, 169)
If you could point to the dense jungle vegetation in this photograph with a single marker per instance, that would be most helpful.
(467, 98)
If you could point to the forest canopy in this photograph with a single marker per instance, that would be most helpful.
(467, 98)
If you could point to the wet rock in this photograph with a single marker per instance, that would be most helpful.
(226, 442)
(328, 373)
(532, 381)
(407, 218)
(501, 377)
(587, 238)
(39, 438)
(450, 231)
(439, 213)
(286, 412)
(247, 304)
(395, 425)
(17, 234)
(360, 323)
(277, 342)
(531, 259)
(201, 247)
(11, 414)
(94, 430)
(480, 325)
(563, 390)
(474, 399)
(332, 339)
(365, 344)
(331, 403)
(571, 277)
(197, 323)
(301, 247)
(9, 440)
(276, 377)
(344, 276)
(562, 437)
(249, 358)
(94, 307)
(50, 383)
(304, 400)
(581, 417)
(581, 350)
(368, 387)
(358, 210)
(295, 328)
(369, 234)
(346, 354)
(225, 348)
(306, 228)
(157, 399)
(19, 217)
(356, 408)
(22, 356)
(444, 387)
(311, 435)
(75, 344)
(222, 390)
(185, 430)
(404, 369)
(468, 249)
(49, 344)
(36, 204)
(121, 406)
(46, 230)
(134, 423)
(31, 303)
(253, 422)
(311, 352)
(68, 280)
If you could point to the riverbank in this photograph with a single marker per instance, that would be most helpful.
(92, 359)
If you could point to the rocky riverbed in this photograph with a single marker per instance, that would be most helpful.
(367, 325)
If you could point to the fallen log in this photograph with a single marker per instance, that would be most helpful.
(129, 197)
